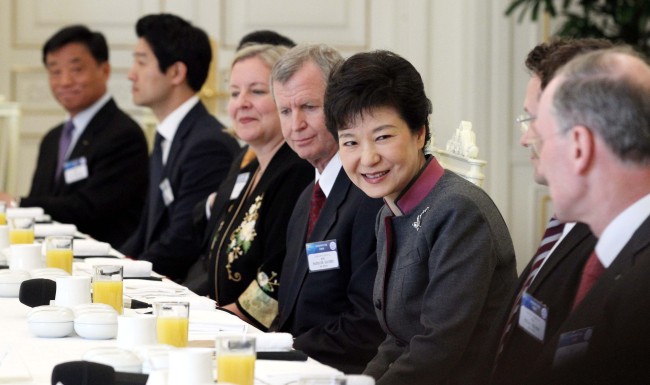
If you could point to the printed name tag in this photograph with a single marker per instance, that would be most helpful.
(322, 255)
(239, 185)
(532, 317)
(75, 170)
(572, 346)
(167, 193)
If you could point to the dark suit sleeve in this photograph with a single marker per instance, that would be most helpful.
(118, 174)
(354, 336)
(201, 171)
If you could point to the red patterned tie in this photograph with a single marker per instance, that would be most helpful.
(553, 232)
(590, 273)
(317, 201)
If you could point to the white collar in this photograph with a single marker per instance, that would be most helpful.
(619, 231)
(330, 172)
(82, 119)
(168, 127)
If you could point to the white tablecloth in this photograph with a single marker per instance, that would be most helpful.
(26, 359)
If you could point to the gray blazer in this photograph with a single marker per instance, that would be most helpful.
(446, 270)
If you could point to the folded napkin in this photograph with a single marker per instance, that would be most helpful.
(207, 324)
(273, 342)
(286, 372)
(151, 290)
(43, 230)
(88, 247)
(34, 212)
(131, 268)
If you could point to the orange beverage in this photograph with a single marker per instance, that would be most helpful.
(236, 368)
(59, 258)
(110, 293)
(172, 331)
(19, 236)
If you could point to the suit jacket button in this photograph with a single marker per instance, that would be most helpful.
(378, 304)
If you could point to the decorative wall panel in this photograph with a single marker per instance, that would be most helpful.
(36, 20)
(341, 23)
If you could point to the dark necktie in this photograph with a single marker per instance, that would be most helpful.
(154, 182)
(552, 233)
(317, 201)
(64, 144)
(590, 273)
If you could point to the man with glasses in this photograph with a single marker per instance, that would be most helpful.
(594, 130)
(547, 285)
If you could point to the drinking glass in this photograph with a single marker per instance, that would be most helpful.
(108, 287)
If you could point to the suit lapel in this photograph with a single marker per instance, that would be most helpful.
(96, 124)
(623, 263)
(329, 213)
(577, 234)
(170, 167)
(184, 129)
(326, 221)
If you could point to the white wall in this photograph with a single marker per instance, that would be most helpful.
(469, 54)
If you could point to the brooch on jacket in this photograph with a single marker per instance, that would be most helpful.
(418, 220)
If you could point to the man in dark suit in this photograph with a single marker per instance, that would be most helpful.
(325, 294)
(594, 149)
(192, 153)
(92, 170)
(555, 270)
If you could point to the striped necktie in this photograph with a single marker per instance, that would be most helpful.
(553, 232)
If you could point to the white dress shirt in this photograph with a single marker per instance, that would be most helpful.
(619, 231)
(328, 177)
(168, 127)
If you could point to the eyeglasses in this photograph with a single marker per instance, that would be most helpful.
(533, 142)
(524, 122)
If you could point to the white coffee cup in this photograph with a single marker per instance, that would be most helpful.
(190, 366)
(26, 257)
(136, 330)
(4, 236)
(72, 290)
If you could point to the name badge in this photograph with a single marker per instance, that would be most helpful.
(532, 317)
(322, 255)
(239, 185)
(167, 193)
(75, 170)
(572, 346)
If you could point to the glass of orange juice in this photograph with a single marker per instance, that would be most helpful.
(236, 359)
(108, 287)
(58, 252)
(21, 230)
(172, 322)
(3, 213)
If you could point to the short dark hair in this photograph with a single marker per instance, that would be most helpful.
(546, 58)
(172, 40)
(564, 53)
(265, 36)
(371, 80)
(94, 41)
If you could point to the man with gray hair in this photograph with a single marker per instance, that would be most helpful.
(593, 136)
(325, 294)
